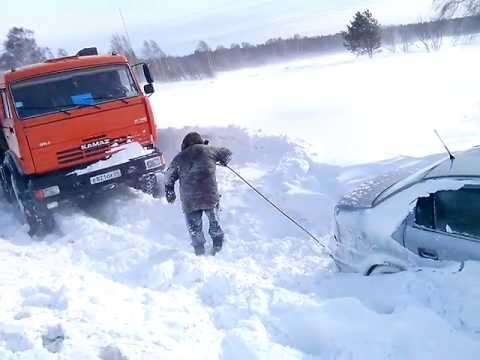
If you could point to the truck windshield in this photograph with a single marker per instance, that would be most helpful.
(72, 89)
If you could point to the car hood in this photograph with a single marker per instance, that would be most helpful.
(364, 195)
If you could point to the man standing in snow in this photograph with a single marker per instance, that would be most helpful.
(195, 167)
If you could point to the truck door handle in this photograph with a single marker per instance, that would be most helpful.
(428, 254)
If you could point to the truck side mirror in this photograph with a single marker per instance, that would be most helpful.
(149, 89)
(148, 75)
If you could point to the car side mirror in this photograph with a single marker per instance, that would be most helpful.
(147, 73)
(149, 89)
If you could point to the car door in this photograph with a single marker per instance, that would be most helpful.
(446, 225)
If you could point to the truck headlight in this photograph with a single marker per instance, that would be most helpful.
(47, 192)
(154, 162)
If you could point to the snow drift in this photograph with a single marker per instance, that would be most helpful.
(121, 275)
(119, 280)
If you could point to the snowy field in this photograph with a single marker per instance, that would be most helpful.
(119, 280)
(348, 110)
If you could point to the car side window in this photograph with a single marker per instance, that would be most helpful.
(424, 214)
(458, 211)
(454, 212)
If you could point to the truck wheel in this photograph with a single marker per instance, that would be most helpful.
(39, 219)
(151, 185)
(7, 189)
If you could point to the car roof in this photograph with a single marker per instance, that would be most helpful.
(465, 164)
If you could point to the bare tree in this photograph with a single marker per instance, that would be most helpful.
(204, 49)
(431, 34)
(119, 44)
(405, 38)
(390, 39)
(61, 52)
(450, 8)
(151, 50)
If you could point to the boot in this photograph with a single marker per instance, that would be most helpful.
(199, 250)
(217, 247)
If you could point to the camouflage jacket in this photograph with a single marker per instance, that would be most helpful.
(195, 168)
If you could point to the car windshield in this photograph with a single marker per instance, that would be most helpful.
(67, 90)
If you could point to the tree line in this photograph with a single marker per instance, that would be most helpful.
(204, 62)
(20, 47)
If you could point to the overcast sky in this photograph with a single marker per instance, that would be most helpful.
(179, 24)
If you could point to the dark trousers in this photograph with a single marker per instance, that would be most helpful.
(194, 226)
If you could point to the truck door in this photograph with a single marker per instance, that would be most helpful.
(446, 226)
(9, 137)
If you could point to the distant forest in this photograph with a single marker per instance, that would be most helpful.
(205, 62)
(20, 48)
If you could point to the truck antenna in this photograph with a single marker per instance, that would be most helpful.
(444, 145)
(125, 27)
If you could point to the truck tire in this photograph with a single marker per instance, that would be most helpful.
(38, 218)
(150, 184)
(7, 189)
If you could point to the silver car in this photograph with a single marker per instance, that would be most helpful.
(427, 218)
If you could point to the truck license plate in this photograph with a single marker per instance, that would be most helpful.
(105, 177)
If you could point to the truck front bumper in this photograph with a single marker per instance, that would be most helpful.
(77, 184)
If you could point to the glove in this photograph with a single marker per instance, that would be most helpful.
(225, 161)
(170, 195)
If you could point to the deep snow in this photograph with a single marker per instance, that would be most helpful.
(348, 110)
(120, 276)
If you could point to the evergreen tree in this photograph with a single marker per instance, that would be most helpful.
(363, 35)
(202, 47)
(21, 48)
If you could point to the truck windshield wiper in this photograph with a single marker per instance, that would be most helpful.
(83, 105)
(111, 99)
(59, 108)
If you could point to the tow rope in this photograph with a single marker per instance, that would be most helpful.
(276, 207)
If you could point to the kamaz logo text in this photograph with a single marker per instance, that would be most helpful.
(95, 144)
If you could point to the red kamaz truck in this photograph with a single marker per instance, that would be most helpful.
(73, 127)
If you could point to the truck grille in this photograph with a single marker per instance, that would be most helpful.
(100, 146)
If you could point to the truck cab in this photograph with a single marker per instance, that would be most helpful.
(72, 127)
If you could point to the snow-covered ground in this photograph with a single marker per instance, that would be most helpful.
(348, 110)
(119, 280)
